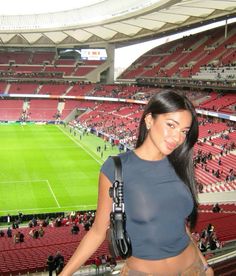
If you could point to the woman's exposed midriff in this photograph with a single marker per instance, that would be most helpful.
(176, 265)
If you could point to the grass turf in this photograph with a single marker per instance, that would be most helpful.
(45, 168)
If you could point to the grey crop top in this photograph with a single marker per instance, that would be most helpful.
(157, 204)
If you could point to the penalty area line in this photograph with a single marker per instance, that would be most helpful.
(50, 188)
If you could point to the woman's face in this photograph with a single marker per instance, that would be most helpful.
(168, 131)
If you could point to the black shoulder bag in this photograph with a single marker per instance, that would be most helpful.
(118, 239)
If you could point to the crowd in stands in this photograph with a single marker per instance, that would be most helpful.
(207, 239)
(37, 227)
(104, 261)
(11, 73)
(123, 127)
(55, 263)
(76, 223)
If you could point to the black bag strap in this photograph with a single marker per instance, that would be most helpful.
(118, 168)
(121, 240)
(116, 191)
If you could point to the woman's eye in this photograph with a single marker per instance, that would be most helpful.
(170, 125)
(185, 132)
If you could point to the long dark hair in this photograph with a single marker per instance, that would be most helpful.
(181, 158)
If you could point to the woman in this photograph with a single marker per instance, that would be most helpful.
(159, 194)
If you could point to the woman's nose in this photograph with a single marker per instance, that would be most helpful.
(177, 136)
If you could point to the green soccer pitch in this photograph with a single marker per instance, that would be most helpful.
(45, 168)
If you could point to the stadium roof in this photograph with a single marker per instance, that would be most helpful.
(109, 21)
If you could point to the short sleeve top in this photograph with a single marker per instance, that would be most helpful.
(157, 203)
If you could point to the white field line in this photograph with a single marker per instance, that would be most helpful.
(51, 208)
(39, 180)
(23, 181)
(75, 141)
(50, 188)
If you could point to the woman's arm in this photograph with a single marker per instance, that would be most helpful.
(208, 270)
(96, 235)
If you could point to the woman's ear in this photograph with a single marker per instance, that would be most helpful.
(148, 120)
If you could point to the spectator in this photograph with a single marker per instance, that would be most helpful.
(45, 222)
(41, 231)
(202, 245)
(113, 263)
(9, 232)
(204, 234)
(22, 237)
(75, 229)
(50, 264)
(58, 222)
(17, 237)
(212, 243)
(34, 221)
(59, 262)
(15, 225)
(97, 263)
(200, 187)
(104, 261)
(87, 226)
(30, 224)
(216, 208)
(20, 217)
(36, 234)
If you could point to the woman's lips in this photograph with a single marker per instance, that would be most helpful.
(171, 146)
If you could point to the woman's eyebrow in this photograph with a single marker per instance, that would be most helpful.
(173, 120)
